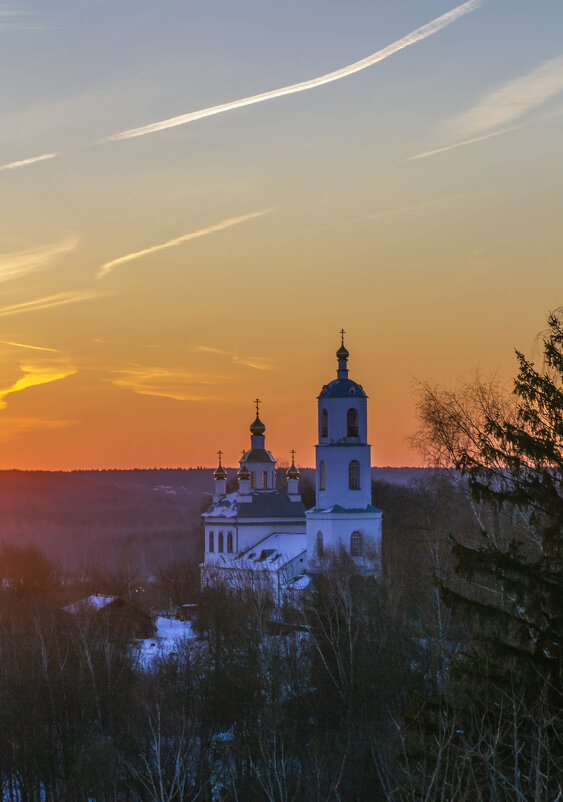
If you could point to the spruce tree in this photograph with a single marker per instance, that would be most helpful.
(501, 713)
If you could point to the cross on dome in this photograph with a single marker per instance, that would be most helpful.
(220, 473)
(257, 428)
(292, 471)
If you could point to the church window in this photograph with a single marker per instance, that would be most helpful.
(324, 423)
(322, 475)
(211, 541)
(354, 475)
(253, 479)
(356, 544)
(229, 543)
(320, 544)
(220, 544)
(264, 478)
(352, 423)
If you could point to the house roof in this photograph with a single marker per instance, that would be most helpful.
(95, 602)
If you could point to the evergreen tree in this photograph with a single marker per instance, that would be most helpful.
(501, 715)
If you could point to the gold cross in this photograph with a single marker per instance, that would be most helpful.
(257, 402)
(342, 333)
(219, 454)
(292, 452)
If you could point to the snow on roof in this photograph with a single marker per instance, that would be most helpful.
(226, 506)
(272, 553)
(262, 504)
(300, 582)
(169, 632)
(94, 602)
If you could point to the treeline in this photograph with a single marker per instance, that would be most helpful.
(138, 518)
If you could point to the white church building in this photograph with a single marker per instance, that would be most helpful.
(260, 534)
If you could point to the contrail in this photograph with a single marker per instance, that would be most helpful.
(410, 39)
(455, 145)
(31, 347)
(50, 301)
(490, 135)
(24, 162)
(203, 232)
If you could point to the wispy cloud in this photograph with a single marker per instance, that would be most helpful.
(13, 428)
(31, 347)
(256, 362)
(50, 301)
(19, 263)
(513, 100)
(38, 372)
(412, 38)
(166, 383)
(202, 232)
(25, 162)
(379, 215)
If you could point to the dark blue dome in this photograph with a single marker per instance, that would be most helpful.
(342, 388)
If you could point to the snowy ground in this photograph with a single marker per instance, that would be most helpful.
(168, 632)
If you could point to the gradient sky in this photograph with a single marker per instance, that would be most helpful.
(154, 283)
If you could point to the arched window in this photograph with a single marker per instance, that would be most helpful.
(352, 423)
(356, 544)
(354, 475)
(211, 541)
(320, 544)
(324, 423)
(322, 475)
(230, 543)
(264, 479)
(253, 479)
(220, 544)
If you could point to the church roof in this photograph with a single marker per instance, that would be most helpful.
(273, 552)
(342, 388)
(337, 509)
(258, 455)
(272, 504)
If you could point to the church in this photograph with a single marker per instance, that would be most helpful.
(260, 534)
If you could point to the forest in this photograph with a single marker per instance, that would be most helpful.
(439, 678)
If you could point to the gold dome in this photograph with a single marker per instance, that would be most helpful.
(243, 472)
(292, 472)
(220, 473)
(257, 427)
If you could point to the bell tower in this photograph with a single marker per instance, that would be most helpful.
(342, 451)
(343, 515)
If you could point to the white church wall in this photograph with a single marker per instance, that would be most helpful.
(337, 412)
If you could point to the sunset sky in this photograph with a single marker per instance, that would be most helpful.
(162, 267)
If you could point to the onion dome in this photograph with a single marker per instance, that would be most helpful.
(220, 473)
(342, 352)
(292, 471)
(243, 472)
(257, 427)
